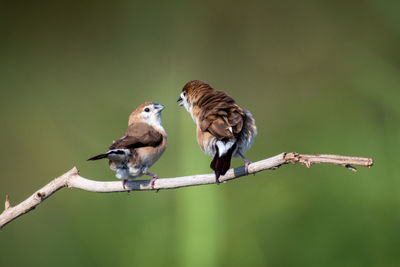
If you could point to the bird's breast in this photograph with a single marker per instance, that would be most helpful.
(147, 156)
(206, 141)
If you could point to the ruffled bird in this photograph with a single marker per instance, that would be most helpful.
(223, 130)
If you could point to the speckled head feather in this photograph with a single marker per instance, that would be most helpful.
(195, 89)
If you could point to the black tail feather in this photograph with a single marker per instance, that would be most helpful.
(221, 165)
(213, 164)
(101, 156)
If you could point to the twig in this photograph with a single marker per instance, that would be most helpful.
(72, 179)
(7, 204)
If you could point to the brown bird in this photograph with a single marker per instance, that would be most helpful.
(140, 147)
(223, 128)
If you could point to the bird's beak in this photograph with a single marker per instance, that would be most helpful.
(158, 107)
(180, 99)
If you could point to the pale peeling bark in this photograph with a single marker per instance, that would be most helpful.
(72, 179)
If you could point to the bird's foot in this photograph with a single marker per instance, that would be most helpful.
(246, 163)
(153, 180)
(246, 166)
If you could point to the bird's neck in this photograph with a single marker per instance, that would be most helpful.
(156, 123)
(191, 109)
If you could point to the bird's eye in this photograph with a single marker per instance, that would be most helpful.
(146, 109)
(184, 93)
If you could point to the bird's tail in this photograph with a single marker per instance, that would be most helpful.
(221, 164)
(101, 156)
(113, 152)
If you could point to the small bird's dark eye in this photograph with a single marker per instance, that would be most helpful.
(184, 93)
(147, 109)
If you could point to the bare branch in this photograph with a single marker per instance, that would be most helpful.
(72, 179)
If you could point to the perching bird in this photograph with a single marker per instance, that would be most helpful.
(223, 128)
(140, 147)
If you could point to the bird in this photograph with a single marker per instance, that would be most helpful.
(224, 129)
(141, 145)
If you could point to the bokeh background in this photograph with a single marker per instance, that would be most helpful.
(318, 76)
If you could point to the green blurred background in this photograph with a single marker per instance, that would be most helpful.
(318, 76)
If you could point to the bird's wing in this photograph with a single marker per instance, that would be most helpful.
(138, 135)
(221, 116)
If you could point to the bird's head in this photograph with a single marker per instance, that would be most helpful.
(192, 92)
(148, 112)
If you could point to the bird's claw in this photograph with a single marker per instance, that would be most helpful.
(246, 163)
(153, 180)
(246, 166)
